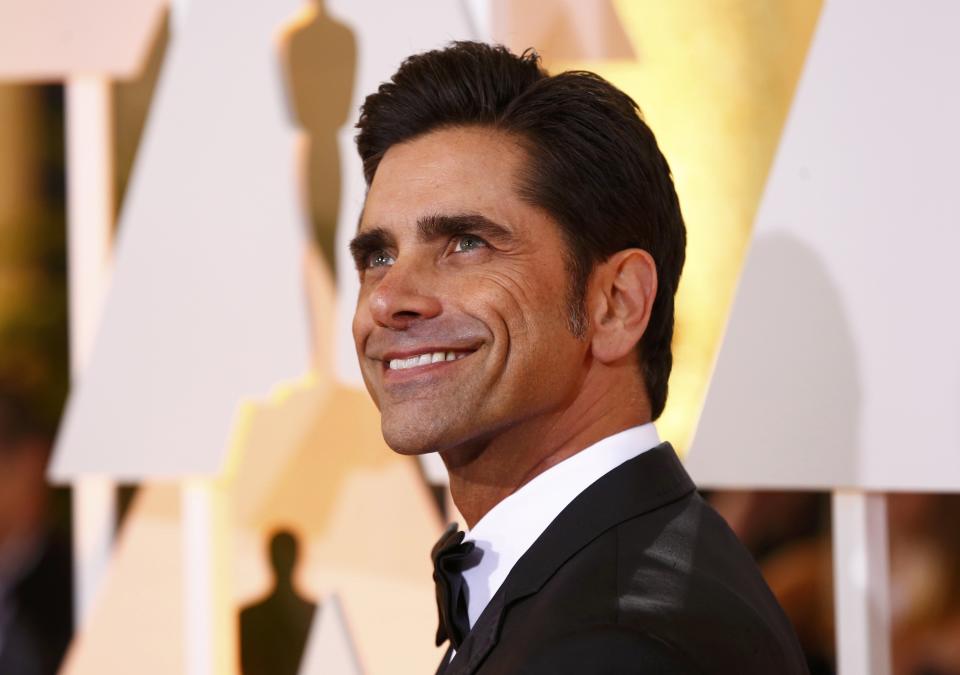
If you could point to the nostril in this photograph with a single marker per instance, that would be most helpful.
(397, 304)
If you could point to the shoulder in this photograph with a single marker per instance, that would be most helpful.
(669, 586)
(607, 650)
(683, 574)
(685, 555)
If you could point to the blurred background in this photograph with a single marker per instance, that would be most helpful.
(299, 471)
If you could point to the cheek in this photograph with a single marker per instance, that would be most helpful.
(531, 315)
(361, 323)
(513, 296)
(356, 332)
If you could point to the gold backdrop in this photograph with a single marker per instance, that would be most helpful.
(715, 81)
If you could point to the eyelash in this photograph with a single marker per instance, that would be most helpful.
(368, 259)
(458, 239)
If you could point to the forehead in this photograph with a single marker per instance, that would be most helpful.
(454, 170)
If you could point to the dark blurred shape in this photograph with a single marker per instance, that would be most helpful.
(320, 60)
(273, 632)
(36, 598)
(33, 270)
(790, 536)
(36, 610)
(925, 583)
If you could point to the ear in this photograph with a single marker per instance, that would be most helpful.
(622, 290)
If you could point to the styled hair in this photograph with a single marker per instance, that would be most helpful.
(593, 164)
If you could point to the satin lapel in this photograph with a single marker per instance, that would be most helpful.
(480, 640)
(642, 484)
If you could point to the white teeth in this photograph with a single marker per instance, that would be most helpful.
(425, 360)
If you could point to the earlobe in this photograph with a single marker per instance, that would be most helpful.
(624, 287)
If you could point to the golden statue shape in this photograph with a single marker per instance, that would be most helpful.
(319, 55)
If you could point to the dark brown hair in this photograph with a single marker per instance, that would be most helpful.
(594, 165)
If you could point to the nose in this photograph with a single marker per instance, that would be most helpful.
(404, 295)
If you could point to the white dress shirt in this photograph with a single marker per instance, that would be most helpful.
(510, 528)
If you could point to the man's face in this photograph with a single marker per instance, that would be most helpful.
(461, 325)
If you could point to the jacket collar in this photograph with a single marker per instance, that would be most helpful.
(640, 485)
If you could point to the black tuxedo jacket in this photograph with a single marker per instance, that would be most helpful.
(636, 575)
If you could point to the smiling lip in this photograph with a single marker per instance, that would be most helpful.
(415, 361)
(421, 359)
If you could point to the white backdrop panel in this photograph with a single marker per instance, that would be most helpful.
(207, 301)
(56, 39)
(841, 362)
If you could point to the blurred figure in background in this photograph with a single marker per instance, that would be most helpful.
(925, 580)
(319, 58)
(274, 631)
(36, 612)
(35, 557)
(789, 534)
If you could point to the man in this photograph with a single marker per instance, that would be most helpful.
(519, 251)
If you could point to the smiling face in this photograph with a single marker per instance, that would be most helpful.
(462, 323)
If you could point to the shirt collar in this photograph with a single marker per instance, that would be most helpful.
(510, 528)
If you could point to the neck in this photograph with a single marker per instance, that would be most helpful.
(484, 474)
(284, 586)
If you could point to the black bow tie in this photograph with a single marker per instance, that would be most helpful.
(451, 556)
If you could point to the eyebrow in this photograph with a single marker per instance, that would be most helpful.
(435, 226)
(367, 242)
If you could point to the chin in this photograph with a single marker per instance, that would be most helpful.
(405, 440)
(403, 447)
(410, 435)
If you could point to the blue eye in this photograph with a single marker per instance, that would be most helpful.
(469, 242)
(379, 258)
